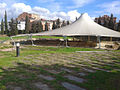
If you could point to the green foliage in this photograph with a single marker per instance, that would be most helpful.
(54, 25)
(46, 26)
(2, 27)
(6, 24)
(27, 25)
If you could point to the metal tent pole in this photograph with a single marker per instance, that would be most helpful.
(31, 40)
(13, 41)
(99, 42)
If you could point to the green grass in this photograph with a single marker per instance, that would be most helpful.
(22, 71)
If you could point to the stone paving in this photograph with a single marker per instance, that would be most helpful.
(71, 86)
(74, 78)
(46, 77)
(41, 86)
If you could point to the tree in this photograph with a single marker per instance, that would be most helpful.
(111, 22)
(68, 22)
(105, 23)
(34, 27)
(54, 25)
(58, 23)
(16, 28)
(46, 26)
(27, 25)
(99, 20)
(76, 18)
(2, 27)
(12, 28)
(63, 23)
(6, 24)
(41, 27)
(118, 27)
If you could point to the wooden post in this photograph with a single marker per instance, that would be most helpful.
(88, 38)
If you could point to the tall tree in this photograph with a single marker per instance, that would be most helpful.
(2, 27)
(99, 20)
(118, 27)
(16, 28)
(34, 27)
(105, 22)
(54, 25)
(58, 23)
(46, 26)
(41, 27)
(6, 24)
(27, 25)
(12, 28)
(111, 22)
(68, 22)
(63, 23)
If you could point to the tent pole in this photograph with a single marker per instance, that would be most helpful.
(99, 42)
(13, 41)
(110, 38)
(31, 40)
(66, 42)
(88, 38)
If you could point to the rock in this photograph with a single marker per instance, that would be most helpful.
(46, 77)
(80, 80)
(41, 86)
(82, 74)
(10, 87)
(71, 86)
(88, 70)
(67, 70)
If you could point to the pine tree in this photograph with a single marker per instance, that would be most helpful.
(63, 23)
(76, 18)
(27, 25)
(111, 22)
(2, 27)
(118, 27)
(105, 23)
(54, 25)
(99, 21)
(46, 26)
(34, 27)
(58, 23)
(16, 30)
(11, 24)
(41, 26)
(68, 22)
(6, 24)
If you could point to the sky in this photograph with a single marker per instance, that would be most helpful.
(63, 9)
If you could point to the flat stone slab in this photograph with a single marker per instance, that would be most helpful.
(14, 87)
(46, 77)
(53, 71)
(70, 77)
(41, 86)
(67, 70)
(82, 74)
(101, 69)
(88, 70)
(71, 86)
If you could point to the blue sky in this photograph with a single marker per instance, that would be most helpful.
(64, 9)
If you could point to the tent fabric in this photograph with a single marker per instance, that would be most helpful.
(84, 26)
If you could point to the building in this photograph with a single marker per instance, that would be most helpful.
(32, 17)
(21, 25)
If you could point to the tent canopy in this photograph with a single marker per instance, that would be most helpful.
(84, 26)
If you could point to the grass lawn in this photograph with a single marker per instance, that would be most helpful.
(24, 71)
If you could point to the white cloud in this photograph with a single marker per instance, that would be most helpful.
(73, 14)
(112, 7)
(80, 3)
(17, 8)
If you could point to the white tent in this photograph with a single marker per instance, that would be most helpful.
(84, 26)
